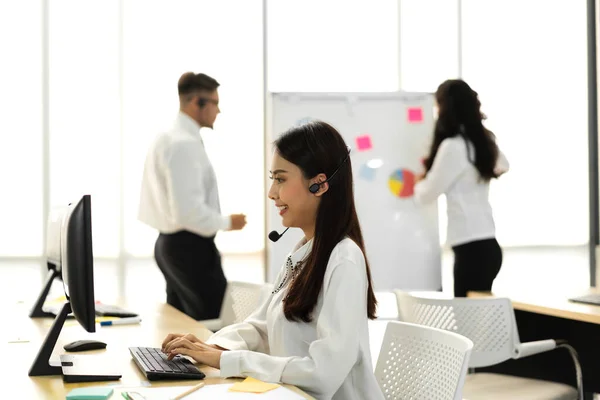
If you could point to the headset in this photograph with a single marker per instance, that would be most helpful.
(201, 102)
(314, 188)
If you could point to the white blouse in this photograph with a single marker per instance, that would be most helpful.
(329, 357)
(179, 186)
(470, 216)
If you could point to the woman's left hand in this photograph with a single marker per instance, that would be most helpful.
(200, 352)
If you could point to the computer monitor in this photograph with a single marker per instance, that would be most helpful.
(53, 235)
(53, 259)
(77, 268)
(53, 253)
(78, 263)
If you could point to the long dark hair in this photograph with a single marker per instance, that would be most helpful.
(460, 114)
(318, 148)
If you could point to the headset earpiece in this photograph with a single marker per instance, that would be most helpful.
(314, 188)
(201, 102)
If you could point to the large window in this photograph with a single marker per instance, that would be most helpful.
(429, 40)
(334, 45)
(21, 195)
(112, 73)
(531, 78)
(162, 40)
(85, 113)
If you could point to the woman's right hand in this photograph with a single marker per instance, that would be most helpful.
(174, 336)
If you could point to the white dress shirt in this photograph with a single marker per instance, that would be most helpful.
(470, 215)
(329, 357)
(179, 186)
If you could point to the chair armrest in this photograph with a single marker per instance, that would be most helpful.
(212, 324)
(540, 346)
(531, 348)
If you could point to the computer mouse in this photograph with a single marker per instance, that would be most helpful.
(83, 345)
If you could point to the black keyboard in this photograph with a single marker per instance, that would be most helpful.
(154, 364)
(106, 310)
(102, 310)
(588, 299)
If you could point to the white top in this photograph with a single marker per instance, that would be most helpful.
(470, 215)
(329, 357)
(179, 186)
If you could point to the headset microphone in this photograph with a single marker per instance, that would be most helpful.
(274, 236)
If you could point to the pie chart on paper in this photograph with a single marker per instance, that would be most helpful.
(402, 183)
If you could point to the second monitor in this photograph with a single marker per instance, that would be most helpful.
(53, 252)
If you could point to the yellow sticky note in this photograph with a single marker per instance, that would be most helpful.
(251, 385)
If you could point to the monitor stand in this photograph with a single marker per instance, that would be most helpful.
(70, 367)
(37, 311)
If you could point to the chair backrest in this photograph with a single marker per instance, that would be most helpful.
(488, 322)
(241, 299)
(420, 362)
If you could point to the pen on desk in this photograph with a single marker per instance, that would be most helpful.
(190, 390)
(121, 321)
(133, 396)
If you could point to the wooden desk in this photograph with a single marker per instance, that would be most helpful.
(157, 322)
(543, 314)
(552, 304)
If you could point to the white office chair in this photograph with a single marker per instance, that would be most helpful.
(490, 324)
(422, 363)
(241, 299)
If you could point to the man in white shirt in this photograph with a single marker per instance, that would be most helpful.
(180, 199)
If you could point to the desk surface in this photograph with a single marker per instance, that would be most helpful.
(157, 322)
(550, 303)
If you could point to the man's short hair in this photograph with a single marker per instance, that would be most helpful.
(191, 83)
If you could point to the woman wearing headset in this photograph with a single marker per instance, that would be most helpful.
(463, 159)
(312, 331)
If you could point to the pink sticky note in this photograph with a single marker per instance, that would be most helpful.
(364, 143)
(415, 114)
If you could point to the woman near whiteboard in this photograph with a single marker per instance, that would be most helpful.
(312, 330)
(462, 161)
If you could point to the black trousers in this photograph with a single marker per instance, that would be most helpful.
(191, 265)
(476, 265)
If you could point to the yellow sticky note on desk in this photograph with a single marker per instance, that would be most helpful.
(251, 385)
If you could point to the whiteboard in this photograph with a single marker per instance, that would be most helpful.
(389, 134)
